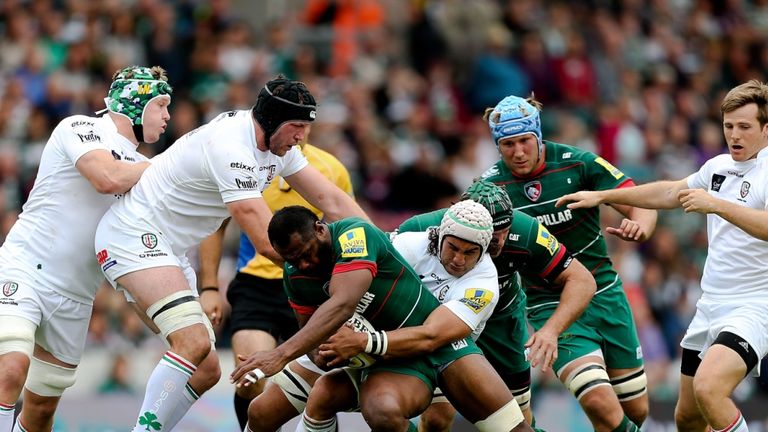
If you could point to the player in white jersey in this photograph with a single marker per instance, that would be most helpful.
(452, 262)
(48, 276)
(212, 172)
(727, 337)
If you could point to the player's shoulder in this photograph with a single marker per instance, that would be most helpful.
(412, 239)
(559, 152)
(494, 172)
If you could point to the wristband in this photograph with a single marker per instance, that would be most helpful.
(208, 288)
(377, 343)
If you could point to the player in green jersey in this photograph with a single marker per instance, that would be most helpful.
(520, 244)
(601, 349)
(334, 270)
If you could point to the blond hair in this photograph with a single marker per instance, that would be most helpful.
(754, 92)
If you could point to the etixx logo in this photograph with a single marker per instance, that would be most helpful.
(149, 240)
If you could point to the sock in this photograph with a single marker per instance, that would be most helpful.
(6, 417)
(312, 425)
(626, 425)
(17, 427)
(241, 409)
(412, 427)
(165, 392)
(738, 425)
(190, 397)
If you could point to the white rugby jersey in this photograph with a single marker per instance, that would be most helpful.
(472, 297)
(736, 261)
(53, 236)
(183, 194)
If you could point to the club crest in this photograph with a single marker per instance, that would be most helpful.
(10, 288)
(533, 190)
(149, 240)
(744, 189)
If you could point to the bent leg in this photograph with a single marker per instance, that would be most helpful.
(490, 405)
(284, 397)
(48, 378)
(721, 370)
(587, 379)
(630, 386)
(437, 418)
(388, 400)
(246, 342)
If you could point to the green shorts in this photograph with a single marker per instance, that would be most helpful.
(426, 368)
(503, 340)
(605, 325)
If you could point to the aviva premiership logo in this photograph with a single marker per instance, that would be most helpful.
(149, 240)
(353, 243)
(477, 299)
(10, 288)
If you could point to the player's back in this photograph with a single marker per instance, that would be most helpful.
(54, 233)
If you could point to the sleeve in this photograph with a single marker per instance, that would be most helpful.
(474, 296)
(295, 300)
(548, 256)
(359, 248)
(232, 169)
(293, 161)
(701, 178)
(601, 174)
(78, 136)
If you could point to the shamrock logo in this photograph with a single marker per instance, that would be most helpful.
(149, 419)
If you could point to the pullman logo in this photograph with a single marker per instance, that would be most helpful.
(149, 240)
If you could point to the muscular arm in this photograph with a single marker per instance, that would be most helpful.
(323, 194)
(107, 175)
(578, 289)
(253, 216)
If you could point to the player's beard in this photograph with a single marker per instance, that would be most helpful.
(325, 260)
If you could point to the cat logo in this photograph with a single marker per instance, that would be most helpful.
(477, 299)
(353, 243)
(533, 190)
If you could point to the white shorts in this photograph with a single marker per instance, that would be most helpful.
(122, 249)
(748, 320)
(62, 323)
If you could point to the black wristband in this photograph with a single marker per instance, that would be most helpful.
(208, 288)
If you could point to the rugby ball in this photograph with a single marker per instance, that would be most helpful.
(363, 359)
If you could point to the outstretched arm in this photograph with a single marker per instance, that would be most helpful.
(578, 289)
(657, 195)
(346, 289)
(323, 194)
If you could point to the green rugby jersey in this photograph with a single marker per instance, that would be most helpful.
(529, 249)
(395, 298)
(566, 170)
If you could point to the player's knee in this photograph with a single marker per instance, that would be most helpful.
(382, 412)
(293, 386)
(585, 379)
(40, 409)
(47, 379)
(15, 366)
(504, 419)
(17, 335)
(688, 419)
(631, 388)
(437, 418)
(207, 374)
(181, 311)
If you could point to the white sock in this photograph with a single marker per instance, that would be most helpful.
(308, 424)
(6, 417)
(738, 425)
(190, 397)
(165, 391)
(17, 427)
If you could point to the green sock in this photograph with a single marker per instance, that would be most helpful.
(626, 425)
(412, 427)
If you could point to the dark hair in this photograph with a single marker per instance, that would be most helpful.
(290, 220)
(433, 235)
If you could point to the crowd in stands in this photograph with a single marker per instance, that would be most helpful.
(402, 86)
